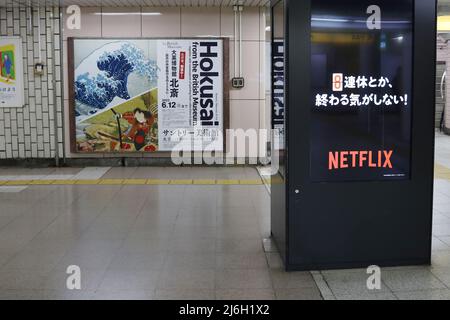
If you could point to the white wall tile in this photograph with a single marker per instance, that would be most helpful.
(263, 72)
(161, 22)
(197, 22)
(244, 114)
(66, 70)
(121, 22)
(21, 129)
(250, 70)
(267, 118)
(91, 24)
(250, 23)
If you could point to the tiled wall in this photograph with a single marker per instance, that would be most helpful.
(29, 132)
(248, 106)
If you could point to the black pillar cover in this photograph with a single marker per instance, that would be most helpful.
(355, 184)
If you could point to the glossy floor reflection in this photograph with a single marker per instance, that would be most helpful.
(141, 241)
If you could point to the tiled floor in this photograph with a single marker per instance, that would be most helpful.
(178, 241)
(141, 241)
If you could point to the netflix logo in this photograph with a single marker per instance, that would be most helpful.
(338, 160)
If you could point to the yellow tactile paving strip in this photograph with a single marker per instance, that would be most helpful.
(112, 182)
(441, 172)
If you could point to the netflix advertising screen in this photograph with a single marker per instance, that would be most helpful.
(361, 90)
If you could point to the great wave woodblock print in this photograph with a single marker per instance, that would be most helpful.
(115, 96)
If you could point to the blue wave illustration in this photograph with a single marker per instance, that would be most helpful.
(97, 92)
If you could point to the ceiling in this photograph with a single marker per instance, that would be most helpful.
(443, 5)
(133, 3)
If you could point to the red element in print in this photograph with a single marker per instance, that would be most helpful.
(139, 139)
(182, 65)
(338, 79)
(150, 148)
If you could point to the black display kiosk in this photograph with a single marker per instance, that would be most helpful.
(353, 85)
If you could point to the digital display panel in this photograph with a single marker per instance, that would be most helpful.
(361, 90)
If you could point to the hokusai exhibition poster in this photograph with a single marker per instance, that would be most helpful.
(147, 95)
(11, 73)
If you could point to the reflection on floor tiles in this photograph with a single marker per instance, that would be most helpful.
(178, 241)
(12, 189)
(141, 241)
